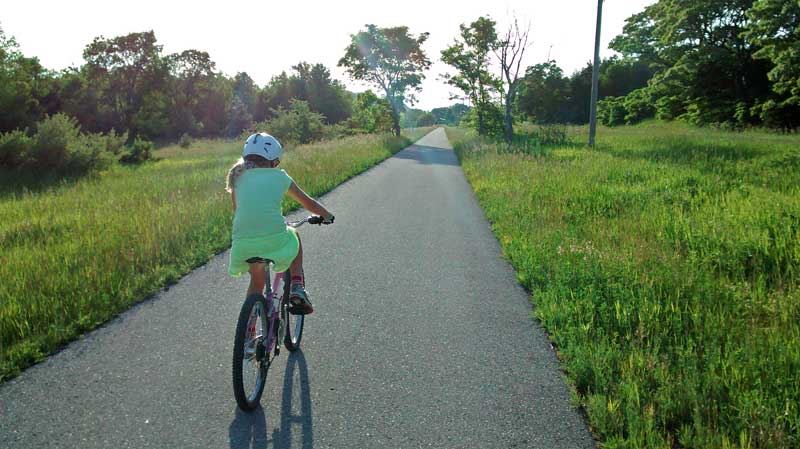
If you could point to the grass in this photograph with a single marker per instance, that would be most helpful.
(77, 252)
(664, 266)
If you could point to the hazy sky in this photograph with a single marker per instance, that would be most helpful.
(264, 38)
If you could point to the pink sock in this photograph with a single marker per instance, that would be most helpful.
(297, 280)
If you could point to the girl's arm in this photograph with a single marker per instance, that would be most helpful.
(309, 203)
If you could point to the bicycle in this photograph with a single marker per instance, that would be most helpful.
(252, 352)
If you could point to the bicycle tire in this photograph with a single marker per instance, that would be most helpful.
(245, 401)
(294, 323)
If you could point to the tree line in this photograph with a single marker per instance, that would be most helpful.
(730, 63)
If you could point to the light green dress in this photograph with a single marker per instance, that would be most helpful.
(258, 225)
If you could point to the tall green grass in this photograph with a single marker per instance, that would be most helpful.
(75, 253)
(665, 267)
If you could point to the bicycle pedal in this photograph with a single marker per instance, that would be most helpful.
(277, 351)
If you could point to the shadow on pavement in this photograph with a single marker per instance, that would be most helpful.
(296, 369)
(248, 430)
(429, 155)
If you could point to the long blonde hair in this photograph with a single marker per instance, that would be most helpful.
(241, 165)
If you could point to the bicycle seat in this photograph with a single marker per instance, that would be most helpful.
(259, 260)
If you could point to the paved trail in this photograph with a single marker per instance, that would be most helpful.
(421, 338)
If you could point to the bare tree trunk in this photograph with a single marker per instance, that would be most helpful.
(509, 119)
(510, 51)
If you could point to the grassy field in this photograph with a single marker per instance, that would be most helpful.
(665, 267)
(74, 254)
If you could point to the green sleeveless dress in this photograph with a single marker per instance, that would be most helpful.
(258, 225)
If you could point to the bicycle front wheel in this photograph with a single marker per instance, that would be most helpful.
(294, 323)
(251, 358)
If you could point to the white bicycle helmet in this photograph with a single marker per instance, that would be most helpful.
(264, 145)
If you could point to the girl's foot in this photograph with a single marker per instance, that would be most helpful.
(299, 304)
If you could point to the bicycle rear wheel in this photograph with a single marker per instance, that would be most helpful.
(251, 357)
(294, 323)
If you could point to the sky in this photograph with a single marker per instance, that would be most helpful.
(264, 38)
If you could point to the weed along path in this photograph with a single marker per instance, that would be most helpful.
(421, 338)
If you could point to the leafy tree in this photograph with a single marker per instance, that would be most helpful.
(371, 114)
(193, 75)
(704, 64)
(391, 59)
(544, 93)
(25, 87)
(450, 115)
(775, 27)
(245, 89)
(125, 69)
(469, 56)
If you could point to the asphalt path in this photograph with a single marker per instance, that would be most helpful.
(421, 337)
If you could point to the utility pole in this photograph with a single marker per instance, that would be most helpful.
(595, 76)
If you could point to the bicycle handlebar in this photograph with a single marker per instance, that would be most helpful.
(311, 219)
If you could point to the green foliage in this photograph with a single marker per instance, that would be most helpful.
(127, 83)
(59, 147)
(141, 150)
(450, 115)
(391, 59)
(491, 120)
(547, 96)
(25, 87)
(469, 56)
(665, 267)
(371, 114)
(185, 141)
(14, 147)
(631, 109)
(70, 261)
(298, 124)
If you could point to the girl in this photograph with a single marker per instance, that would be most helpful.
(257, 188)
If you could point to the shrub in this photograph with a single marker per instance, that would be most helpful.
(611, 111)
(298, 124)
(13, 148)
(50, 148)
(638, 106)
(140, 151)
(185, 141)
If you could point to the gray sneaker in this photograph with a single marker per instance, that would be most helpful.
(299, 304)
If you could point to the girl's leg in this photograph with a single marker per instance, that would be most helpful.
(296, 268)
(258, 278)
(298, 296)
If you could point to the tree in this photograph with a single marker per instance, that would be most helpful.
(192, 72)
(450, 115)
(775, 27)
(470, 58)
(391, 59)
(371, 114)
(125, 69)
(705, 71)
(510, 50)
(544, 93)
(25, 87)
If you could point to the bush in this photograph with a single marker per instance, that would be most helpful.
(140, 151)
(611, 111)
(638, 106)
(50, 149)
(185, 141)
(493, 120)
(13, 148)
(298, 124)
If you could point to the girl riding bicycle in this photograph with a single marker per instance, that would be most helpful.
(257, 188)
